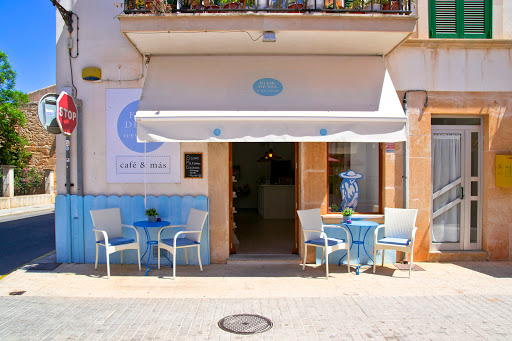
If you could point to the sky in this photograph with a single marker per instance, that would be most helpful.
(28, 38)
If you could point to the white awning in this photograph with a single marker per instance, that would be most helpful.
(318, 99)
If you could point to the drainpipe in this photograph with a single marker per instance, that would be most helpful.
(406, 154)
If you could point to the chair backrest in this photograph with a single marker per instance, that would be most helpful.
(311, 220)
(399, 222)
(109, 220)
(195, 222)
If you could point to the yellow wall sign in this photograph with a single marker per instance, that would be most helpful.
(503, 170)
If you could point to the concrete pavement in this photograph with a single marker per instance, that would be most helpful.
(467, 301)
(28, 209)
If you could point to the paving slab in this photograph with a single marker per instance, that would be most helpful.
(470, 301)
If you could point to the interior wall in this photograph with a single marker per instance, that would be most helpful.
(252, 172)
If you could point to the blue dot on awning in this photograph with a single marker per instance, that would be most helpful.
(216, 132)
(323, 132)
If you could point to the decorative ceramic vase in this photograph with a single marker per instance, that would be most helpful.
(349, 189)
(151, 218)
(347, 219)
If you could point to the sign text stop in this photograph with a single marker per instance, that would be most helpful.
(67, 114)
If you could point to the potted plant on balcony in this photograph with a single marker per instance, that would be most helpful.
(140, 4)
(357, 5)
(295, 4)
(151, 213)
(374, 5)
(230, 4)
(388, 5)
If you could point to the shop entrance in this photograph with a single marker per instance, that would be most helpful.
(456, 184)
(263, 198)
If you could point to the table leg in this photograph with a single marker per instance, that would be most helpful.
(358, 243)
(147, 245)
(351, 244)
(149, 267)
(364, 247)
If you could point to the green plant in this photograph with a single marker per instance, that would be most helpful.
(225, 2)
(347, 212)
(334, 207)
(12, 143)
(151, 212)
(140, 3)
(357, 4)
(27, 180)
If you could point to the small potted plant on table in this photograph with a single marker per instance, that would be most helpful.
(347, 215)
(151, 213)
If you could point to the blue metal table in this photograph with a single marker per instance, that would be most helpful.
(361, 224)
(146, 225)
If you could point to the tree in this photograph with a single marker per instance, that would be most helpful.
(12, 144)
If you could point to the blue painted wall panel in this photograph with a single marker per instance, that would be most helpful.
(62, 229)
(83, 246)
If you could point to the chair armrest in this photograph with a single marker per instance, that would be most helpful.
(166, 227)
(413, 234)
(133, 227)
(376, 233)
(105, 236)
(340, 226)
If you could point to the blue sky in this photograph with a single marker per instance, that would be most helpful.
(28, 38)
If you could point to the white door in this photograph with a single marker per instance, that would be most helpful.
(456, 192)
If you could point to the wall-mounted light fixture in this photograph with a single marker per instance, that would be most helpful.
(269, 37)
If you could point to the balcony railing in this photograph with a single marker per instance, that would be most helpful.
(402, 7)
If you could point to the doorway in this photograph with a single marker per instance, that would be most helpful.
(263, 198)
(456, 184)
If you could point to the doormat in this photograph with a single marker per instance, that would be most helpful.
(415, 267)
(42, 267)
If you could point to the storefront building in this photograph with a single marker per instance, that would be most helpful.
(414, 109)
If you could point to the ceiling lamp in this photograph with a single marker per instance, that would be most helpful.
(269, 156)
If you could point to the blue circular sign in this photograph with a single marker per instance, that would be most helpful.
(267, 87)
(127, 130)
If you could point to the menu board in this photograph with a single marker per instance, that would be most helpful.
(193, 165)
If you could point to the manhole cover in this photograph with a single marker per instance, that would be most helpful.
(245, 324)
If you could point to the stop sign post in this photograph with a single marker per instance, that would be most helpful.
(67, 114)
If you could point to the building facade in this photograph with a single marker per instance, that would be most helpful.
(256, 111)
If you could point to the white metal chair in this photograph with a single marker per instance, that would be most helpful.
(399, 233)
(108, 231)
(193, 229)
(314, 235)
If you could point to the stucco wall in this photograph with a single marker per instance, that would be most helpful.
(495, 108)
(102, 45)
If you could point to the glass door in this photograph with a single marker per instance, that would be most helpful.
(456, 203)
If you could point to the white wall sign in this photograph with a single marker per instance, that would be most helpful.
(127, 160)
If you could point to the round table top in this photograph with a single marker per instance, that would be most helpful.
(361, 223)
(146, 223)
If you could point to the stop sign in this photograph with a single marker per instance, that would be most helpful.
(67, 114)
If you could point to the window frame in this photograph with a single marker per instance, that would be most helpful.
(381, 181)
(459, 22)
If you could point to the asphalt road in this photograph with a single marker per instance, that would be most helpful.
(25, 237)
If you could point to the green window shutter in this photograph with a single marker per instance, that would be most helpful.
(444, 19)
(476, 23)
(460, 18)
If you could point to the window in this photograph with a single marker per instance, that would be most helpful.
(460, 19)
(359, 165)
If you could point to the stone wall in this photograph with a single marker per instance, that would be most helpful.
(40, 143)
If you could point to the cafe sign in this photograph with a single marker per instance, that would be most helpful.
(267, 87)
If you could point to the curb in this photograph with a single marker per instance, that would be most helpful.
(32, 261)
(28, 209)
